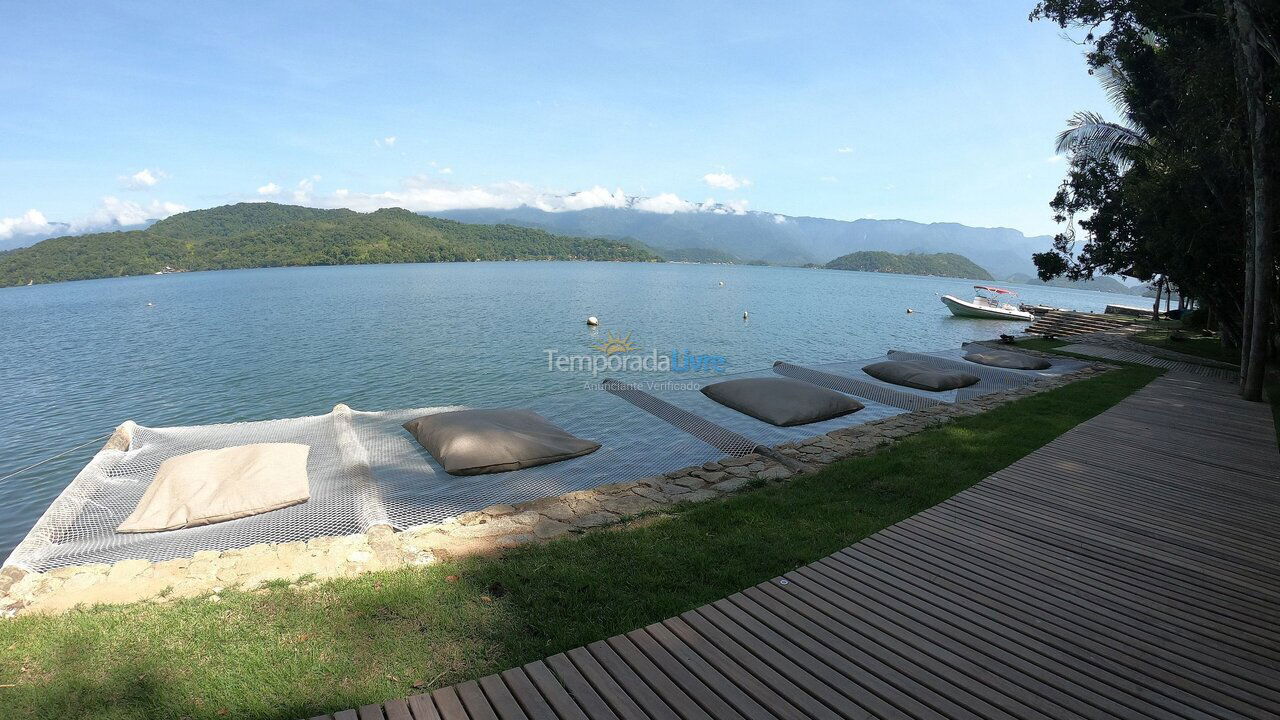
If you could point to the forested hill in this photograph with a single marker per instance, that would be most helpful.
(250, 235)
(941, 264)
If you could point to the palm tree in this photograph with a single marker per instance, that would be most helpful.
(1089, 134)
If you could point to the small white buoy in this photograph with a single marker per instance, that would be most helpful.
(744, 314)
(151, 304)
(909, 311)
(721, 283)
(592, 321)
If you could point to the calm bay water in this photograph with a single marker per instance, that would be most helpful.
(79, 358)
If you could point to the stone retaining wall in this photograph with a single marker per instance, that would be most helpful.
(208, 573)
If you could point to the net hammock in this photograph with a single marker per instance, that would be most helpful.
(365, 470)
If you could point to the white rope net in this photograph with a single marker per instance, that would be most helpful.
(364, 469)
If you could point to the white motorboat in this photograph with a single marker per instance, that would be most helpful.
(986, 306)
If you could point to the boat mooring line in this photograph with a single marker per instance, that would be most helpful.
(53, 457)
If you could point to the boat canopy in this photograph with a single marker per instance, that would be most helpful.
(992, 288)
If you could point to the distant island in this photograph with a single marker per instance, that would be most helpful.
(939, 264)
(1097, 284)
(253, 235)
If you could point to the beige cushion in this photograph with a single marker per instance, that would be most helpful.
(209, 486)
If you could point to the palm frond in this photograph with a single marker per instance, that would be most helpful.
(1115, 83)
(1089, 134)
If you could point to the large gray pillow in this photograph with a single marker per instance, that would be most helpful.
(781, 401)
(1004, 359)
(475, 442)
(921, 377)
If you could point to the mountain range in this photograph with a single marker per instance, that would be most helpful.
(721, 231)
(252, 235)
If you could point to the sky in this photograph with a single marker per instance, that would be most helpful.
(117, 112)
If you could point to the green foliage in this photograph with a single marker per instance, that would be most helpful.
(250, 235)
(941, 264)
(1164, 193)
(297, 652)
(697, 255)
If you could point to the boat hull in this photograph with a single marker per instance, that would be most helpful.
(960, 308)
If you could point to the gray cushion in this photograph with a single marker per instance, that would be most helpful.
(781, 401)
(474, 442)
(1012, 360)
(916, 375)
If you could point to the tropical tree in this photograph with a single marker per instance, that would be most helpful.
(1183, 188)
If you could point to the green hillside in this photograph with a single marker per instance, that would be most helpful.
(250, 235)
(940, 264)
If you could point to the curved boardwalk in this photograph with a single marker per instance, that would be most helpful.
(1130, 568)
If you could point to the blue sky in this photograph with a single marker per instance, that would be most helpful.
(929, 111)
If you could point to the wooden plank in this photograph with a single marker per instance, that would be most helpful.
(826, 665)
(475, 703)
(449, 704)
(398, 710)
(1055, 568)
(346, 715)
(423, 707)
(558, 695)
(370, 712)
(501, 699)
(535, 705)
(622, 702)
(726, 654)
(648, 692)
(693, 685)
(583, 693)
(924, 690)
(1036, 584)
(1022, 608)
(672, 697)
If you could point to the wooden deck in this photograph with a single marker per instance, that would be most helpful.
(1130, 568)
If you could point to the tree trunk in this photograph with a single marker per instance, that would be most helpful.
(1155, 309)
(1258, 257)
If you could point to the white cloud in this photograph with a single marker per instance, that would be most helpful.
(116, 213)
(844, 150)
(31, 222)
(269, 190)
(143, 179)
(665, 203)
(780, 219)
(725, 181)
(446, 171)
(828, 178)
(302, 195)
(1054, 159)
(428, 193)
(593, 198)
(390, 140)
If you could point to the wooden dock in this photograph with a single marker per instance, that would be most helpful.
(1128, 569)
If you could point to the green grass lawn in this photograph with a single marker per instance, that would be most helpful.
(289, 652)
(1191, 342)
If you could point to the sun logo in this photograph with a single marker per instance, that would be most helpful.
(613, 345)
